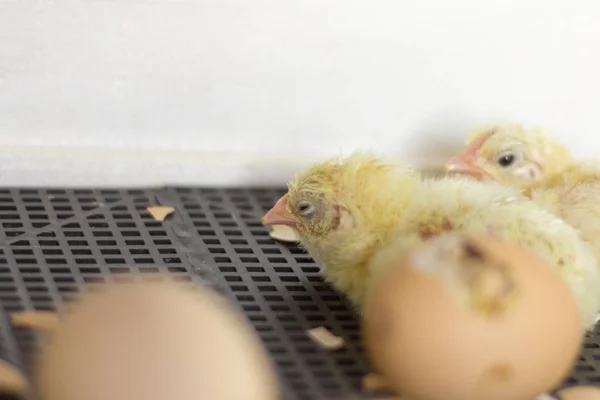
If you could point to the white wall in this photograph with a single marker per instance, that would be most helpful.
(237, 86)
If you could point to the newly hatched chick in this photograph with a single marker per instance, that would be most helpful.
(542, 167)
(358, 215)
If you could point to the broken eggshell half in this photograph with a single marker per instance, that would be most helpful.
(465, 318)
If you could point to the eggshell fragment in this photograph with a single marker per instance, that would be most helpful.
(284, 233)
(464, 318)
(159, 213)
(38, 320)
(373, 383)
(579, 393)
(151, 341)
(325, 338)
(12, 381)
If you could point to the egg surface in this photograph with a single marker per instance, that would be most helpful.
(151, 341)
(471, 318)
(580, 393)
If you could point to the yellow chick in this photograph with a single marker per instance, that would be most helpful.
(359, 215)
(541, 167)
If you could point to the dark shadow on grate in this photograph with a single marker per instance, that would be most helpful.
(55, 240)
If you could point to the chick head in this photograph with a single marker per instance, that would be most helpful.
(309, 206)
(509, 154)
(336, 198)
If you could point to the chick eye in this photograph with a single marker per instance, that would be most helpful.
(506, 160)
(306, 209)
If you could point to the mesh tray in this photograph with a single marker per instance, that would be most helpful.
(56, 239)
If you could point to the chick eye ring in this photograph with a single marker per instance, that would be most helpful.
(306, 209)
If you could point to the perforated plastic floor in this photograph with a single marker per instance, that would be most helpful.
(54, 240)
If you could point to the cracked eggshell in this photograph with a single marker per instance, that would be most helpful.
(465, 318)
(154, 341)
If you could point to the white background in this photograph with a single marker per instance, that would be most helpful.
(246, 91)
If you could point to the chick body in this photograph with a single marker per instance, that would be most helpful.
(384, 210)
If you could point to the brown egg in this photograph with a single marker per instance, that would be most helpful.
(580, 393)
(151, 341)
(469, 319)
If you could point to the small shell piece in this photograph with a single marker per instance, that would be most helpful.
(159, 213)
(12, 381)
(284, 233)
(326, 339)
(373, 383)
(37, 320)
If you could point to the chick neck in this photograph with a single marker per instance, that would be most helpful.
(370, 210)
(555, 160)
(566, 172)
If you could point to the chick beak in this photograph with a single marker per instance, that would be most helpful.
(278, 214)
(463, 164)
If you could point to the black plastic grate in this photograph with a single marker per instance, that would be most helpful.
(54, 240)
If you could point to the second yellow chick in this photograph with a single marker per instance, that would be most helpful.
(541, 167)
